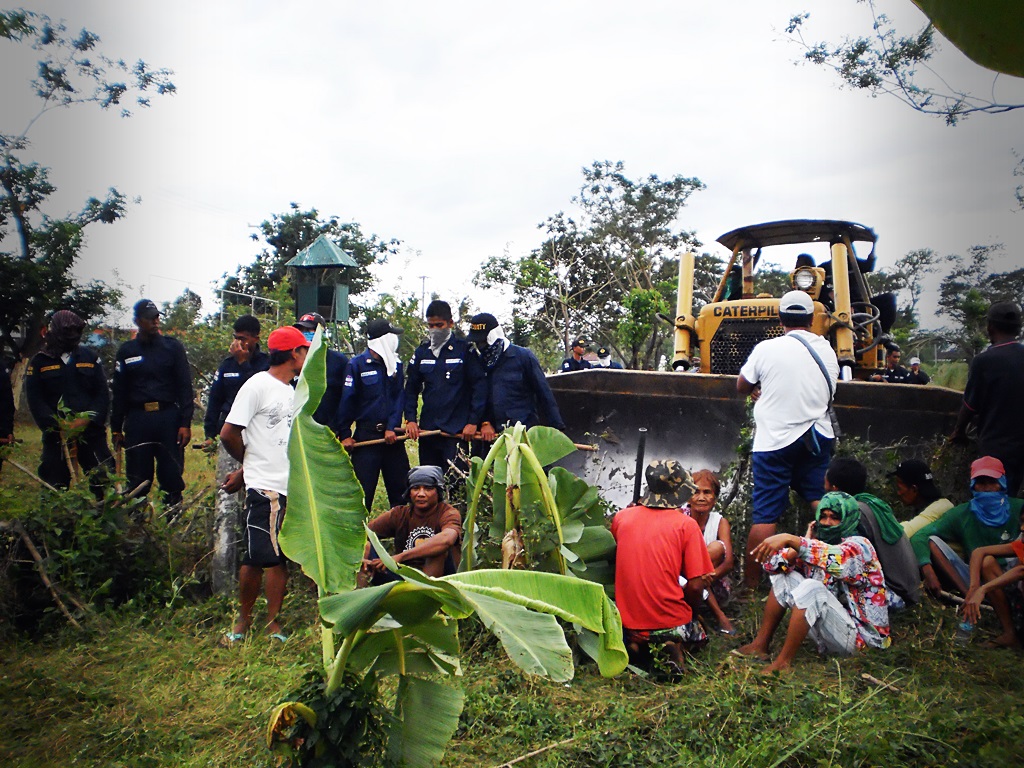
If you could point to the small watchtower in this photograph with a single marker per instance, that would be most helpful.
(320, 275)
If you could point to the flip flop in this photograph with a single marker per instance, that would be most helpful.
(279, 636)
(749, 656)
(231, 638)
(727, 632)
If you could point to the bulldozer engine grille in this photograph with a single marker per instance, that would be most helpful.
(734, 340)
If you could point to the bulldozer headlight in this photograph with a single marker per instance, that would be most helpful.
(804, 279)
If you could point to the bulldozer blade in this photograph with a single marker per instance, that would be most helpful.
(697, 419)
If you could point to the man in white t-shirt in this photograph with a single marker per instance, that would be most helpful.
(255, 433)
(793, 434)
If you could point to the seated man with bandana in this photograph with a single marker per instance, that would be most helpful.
(989, 518)
(656, 544)
(831, 582)
(427, 531)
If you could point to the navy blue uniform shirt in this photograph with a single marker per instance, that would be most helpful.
(80, 381)
(518, 391)
(337, 366)
(6, 402)
(572, 364)
(155, 370)
(453, 384)
(230, 377)
(369, 398)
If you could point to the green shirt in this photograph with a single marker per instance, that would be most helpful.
(960, 525)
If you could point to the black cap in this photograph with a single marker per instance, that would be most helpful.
(480, 325)
(918, 473)
(1005, 313)
(380, 327)
(310, 321)
(603, 352)
(146, 310)
(582, 341)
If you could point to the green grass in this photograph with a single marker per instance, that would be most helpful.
(149, 685)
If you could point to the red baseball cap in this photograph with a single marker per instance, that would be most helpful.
(987, 466)
(286, 339)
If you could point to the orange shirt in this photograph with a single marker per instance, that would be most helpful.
(1018, 550)
(654, 548)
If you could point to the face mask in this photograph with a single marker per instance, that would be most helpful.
(992, 508)
(438, 336)
(309, 335)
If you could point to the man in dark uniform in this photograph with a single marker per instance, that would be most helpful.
(575, 361)
(604, 360)
(65, 370)
(450, 376)
(246, 359)
(152, 405)
(374, 399)
(516, 387)
(917, 376)
(992, 395)
(337, 364)
(6, 408)
(894, 373)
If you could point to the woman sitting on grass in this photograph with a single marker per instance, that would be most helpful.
(1004, 590)
(718, 538)
(833, 586)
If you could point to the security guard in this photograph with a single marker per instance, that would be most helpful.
(66, 371)
(604, 360)
(374, 399)
(516, 388)
(337, 364)
(152, 405)
(575, 361)
(246, 359)
(449, 374)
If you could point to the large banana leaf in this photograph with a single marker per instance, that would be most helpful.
(427, 715)
(549, 444)
(581, 602)
(989, 32)
(323, 526)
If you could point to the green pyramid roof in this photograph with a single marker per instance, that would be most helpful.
(322, 253)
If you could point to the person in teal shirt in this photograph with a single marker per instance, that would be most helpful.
(990, 517)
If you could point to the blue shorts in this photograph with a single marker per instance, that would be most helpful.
(794, 466)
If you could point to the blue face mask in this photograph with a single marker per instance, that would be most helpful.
(309, 335)
(992, 508)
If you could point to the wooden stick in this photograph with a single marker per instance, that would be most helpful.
(41, 570)
(381, 440)
(535, 753)
(960, 601)
(880, 683)
(34, 476)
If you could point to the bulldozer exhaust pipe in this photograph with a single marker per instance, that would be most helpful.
(641, 449)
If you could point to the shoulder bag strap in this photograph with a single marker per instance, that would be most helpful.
(821, 366)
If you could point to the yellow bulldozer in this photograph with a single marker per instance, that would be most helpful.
(694, 414)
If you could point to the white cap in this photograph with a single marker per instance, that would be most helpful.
(915, 361)
(796, 303)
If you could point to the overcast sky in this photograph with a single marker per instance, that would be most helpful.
(457, 127)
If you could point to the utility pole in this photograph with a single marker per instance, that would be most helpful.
(423, 293)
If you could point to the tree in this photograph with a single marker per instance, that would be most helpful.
(288, 233)
(37, 249)
(889, 63)
(608, 273)
(967, 291)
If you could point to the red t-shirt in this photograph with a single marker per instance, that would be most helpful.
(655, 547)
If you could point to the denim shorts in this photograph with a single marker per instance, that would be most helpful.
(794, 466)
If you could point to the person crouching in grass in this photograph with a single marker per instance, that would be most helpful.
(831, 582)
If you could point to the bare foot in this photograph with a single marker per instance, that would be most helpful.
(752, 650)
(772, 668)
(1003, 641)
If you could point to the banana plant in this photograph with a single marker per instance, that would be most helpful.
(408, 627)
(552, 522)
